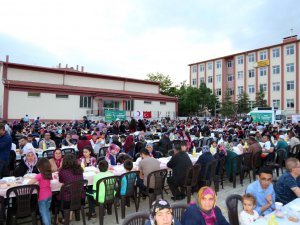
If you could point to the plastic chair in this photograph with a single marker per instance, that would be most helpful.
(256, 163)
(68, 151)
(102, 151)
(278, 161)
(12, 160)
(136, 219)
(131, 191)
(75, 189)
(48, 154)
(247, 164)
(232, 207)
(295, 151)
(209, 173)
(111, 187)
(171, 152)
(24, 204)
(159, 154)
(220, 174)
(178, 210)
(158, 177)
(237, 168)
(191, 180)
(2, 210)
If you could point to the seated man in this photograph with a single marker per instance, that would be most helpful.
(262, 189)
(147, 165)
(179, 164)
(47, 142)
(25, 146)
(287, 187)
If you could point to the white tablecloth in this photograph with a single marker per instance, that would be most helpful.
(292, 207)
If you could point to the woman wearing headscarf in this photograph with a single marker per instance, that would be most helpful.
(161, 213)
(112, 154)
(56, 161)
(129, 145)
(27, 164)
(204, 211)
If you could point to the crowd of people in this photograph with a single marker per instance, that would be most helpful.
(144, 141)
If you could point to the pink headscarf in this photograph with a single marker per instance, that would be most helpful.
(112, 150)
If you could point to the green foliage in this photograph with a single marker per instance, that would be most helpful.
(260, 100)
(228, 108)
(165, 83)
(243, 103)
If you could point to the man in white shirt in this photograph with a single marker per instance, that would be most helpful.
(25, 147)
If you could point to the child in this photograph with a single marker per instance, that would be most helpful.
(88, 159)
(128, 165)
(248, 215)
(213, 148)
(45, 194)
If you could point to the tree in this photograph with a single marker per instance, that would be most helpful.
(260, 100)
(165, 85)
(228, 108)
(243, 103)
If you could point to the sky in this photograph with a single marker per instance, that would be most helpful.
(131, 38)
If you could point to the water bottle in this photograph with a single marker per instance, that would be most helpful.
(44, 145)
(272, 220)
(194, 152)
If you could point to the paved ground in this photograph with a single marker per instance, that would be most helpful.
(222, 195)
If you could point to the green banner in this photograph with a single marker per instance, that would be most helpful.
(112, 115)
(261, 117)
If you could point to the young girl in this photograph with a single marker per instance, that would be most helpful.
(248, 215)
(45, 194)
(213, 148)
(88, 159)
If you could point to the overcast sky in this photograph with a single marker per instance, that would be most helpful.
(135, 37)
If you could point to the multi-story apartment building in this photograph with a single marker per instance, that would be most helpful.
(275, 69)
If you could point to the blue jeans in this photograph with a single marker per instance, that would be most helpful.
(44, 207)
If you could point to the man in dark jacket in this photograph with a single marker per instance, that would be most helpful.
(179, 164)
(5, 143)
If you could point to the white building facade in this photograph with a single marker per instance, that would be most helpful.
(275, 69)
(62, 94)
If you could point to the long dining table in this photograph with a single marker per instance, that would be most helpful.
(292, 209)
(88, 174)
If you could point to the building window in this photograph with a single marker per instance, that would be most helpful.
(229, 77)
(263, 87)
(201, 67)
(111, 105)
(62, 96)
(251, 57)
(290, 103)
(219, 78)
(263, 55)
(201, 80)
(276, 103)
(147, 102)
(276, 69)
(230, 91)
(129, 105)
(290, 67)
(209, 79)
(275, 52)
(263, 71)
(219, 64)
(33, 94)
(85, 102)
(290, 50)
(194, 81)
(251, 73)
(240, 75)
(240, 60)
(194, 69)
(229, 63)
(218, 92)
(251, 89)
(163, 103)
(290, 85)
(209, 66)
(240, 90)
(276, 86)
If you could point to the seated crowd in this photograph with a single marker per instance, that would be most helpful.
(103, 145)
